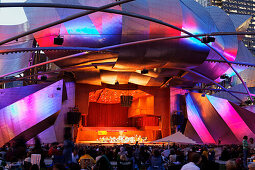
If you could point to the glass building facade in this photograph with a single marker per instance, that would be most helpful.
(243, 7)
(204, 2)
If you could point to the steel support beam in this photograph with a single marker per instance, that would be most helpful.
(44, 63)
(232, 62)
(202, 76)
(59, 70)
(218, 90)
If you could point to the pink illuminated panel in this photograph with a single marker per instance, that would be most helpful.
(27, 112)
(197, 122)
(231, 117)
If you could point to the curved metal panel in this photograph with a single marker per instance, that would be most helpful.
(227, 45)
(212, 119)
(15, 61)
(27, 112)
(231, 117)
(165, 54)
(197, 122)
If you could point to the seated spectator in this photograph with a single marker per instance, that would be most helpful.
(211, 154)
(75, 156)
(231, 165)
(172, 156)
(251, 166)
(251, 146)
(59, 167)
(103, 164)
(53, 150)
(156, 161)
(34, 167)
(195, 160)
(166, 153)
(87, 156)
(225, 155)
(122, 155)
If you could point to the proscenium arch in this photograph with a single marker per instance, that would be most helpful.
(127, 14)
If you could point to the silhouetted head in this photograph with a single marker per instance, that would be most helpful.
(196, 158)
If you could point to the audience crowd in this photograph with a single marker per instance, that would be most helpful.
(68, 155)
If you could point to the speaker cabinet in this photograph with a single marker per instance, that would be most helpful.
(73, 117)
(126, 101)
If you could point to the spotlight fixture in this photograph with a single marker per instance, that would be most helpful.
(58, 88)
(144, 71)
(58, 40)
(203, 94)
(43, 78)
(208, 39)
(224, 76)
(248, 102)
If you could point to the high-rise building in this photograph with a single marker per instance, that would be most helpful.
(204, 2)
(243, 7)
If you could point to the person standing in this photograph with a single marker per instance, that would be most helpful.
(245, 151)
(68, 146)
(251, 146)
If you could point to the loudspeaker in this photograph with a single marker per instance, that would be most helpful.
(208, 39)
(73, 117)
(177, 119)
(126, 101)
(58, 40)
(174, 119)
(44, 78)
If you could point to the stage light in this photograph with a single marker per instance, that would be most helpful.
(208, 39)
(144, 71)
(224, 76)
(58, 40)
(59, 88)
(43, 78)
(203, 94)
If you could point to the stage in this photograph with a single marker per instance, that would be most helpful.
(116, 135)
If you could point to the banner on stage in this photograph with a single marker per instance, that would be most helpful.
(102, 132)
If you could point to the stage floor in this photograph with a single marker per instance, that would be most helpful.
(115, 135)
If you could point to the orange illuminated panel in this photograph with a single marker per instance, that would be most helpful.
(111, 96)
(142, 107)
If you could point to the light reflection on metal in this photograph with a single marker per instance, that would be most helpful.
(44, 63)
(171, 78)
(59, 70)
(63, 20)
(156, 21)
(10, 50)
(231, 117)
(195, 119)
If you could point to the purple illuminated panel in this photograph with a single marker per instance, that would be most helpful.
(231, 117)
(197, 122)
(27, 112)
